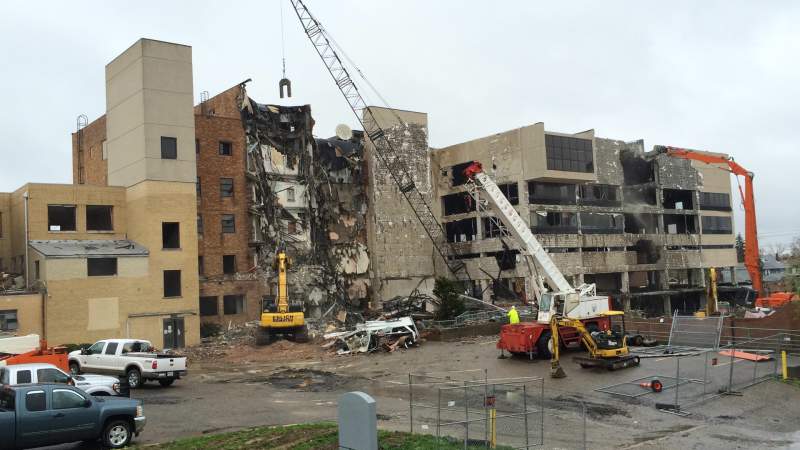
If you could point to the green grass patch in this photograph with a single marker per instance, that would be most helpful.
(318, 436)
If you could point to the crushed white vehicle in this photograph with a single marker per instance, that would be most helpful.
(374, 335)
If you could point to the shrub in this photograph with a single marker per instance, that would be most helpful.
(452, 305)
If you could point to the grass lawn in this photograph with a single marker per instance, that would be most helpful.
(303, 437)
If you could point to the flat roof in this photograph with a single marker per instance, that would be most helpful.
(93, 248)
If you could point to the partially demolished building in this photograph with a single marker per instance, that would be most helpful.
(643, 226)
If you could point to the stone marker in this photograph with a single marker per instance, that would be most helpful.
(358, 424)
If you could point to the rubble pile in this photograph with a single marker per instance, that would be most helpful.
(372, 336)
(417, 306)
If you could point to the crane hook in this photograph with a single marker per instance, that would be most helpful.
(285, 83)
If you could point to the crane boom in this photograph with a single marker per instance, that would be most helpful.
(751, 252)
(392, 159)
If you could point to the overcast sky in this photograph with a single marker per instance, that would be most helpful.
(719, 76)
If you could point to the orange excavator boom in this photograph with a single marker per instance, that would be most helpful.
(751, 256)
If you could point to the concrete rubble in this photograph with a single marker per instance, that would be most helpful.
(375, 335)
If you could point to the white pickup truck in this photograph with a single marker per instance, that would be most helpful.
(97, 385)
(133, 358)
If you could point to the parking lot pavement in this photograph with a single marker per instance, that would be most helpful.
(219, 398)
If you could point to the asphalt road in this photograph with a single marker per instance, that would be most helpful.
(217, 398)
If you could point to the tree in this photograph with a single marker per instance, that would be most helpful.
(451, 304)
(792, 276)
(739, 248)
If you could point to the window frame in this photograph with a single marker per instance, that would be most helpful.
(72, 393)
(29, 374)
(74, 218)
(569, 154)
(164, 236)
(179, 292)
(90, 270)
(238, 304)
(110, 209)
(170, 151)
(225, 148)
(204, 312)
(44, 401)
(232, 219)
(41, 379)
(226, 189)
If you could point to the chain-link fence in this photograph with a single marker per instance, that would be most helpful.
(469, 408)
(684, 381)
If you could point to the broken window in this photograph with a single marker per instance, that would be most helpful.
(599, 195)
(682, 278)
(290, 194)
(493, 228)
(199, 224)
(226, 187)
(569, 154)
(715, 201)
(458, 177)
(225, 148)
(511, 191)
(201, 267)
(233, 304)
(461, 230)
(678, 199)
(172, 283)
(208, 306)
(639, 195)
(548, 222)
(551, 193)
(596, 223)
(61, 217)
(606, 283)
(229, 264)
(8, 320)
(199, 189)
(170, 235)
(680, 224)
(169, 147)
(644, 281)
(459, 203)
(717, 225)
(228, 223)
(641, 223)
(98, 218)
(101, 267)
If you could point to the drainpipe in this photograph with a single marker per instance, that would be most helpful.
(27, 269)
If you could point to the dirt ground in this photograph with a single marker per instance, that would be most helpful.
(290, 383)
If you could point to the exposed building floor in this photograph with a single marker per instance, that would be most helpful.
(261, 390)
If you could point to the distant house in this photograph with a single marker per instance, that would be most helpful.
(772, 278)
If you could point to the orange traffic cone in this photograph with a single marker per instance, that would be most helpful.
(655, 385)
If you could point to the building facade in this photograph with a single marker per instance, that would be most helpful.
(644, 227)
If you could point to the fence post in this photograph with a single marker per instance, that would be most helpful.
(438, 415)
(583, 409)
(677, 381)
(466, 416)
(705, 374)
(525, 412)
(541, 408)
(733, 350)
(410, 403)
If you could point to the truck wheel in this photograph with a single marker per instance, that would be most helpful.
(74, 368)
(117, 434)
(134, 377)
(543, 345)
(166, 382)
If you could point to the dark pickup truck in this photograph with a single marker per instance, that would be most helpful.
(34, 415)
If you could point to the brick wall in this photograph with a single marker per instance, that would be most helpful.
(95, 167)
(215, 121)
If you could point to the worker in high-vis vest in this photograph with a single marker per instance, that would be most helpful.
(513, 315)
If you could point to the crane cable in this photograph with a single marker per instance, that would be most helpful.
(283, 40)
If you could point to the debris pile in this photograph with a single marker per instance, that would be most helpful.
(416, 306)
(375, 335)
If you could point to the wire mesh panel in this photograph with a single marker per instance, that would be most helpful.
(690, 331)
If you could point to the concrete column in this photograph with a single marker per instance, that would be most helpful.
(625, 282)
(667, 305)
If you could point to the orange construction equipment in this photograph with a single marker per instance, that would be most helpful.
(776, 300)
(56, 356)
(745, 355)
(751, 254)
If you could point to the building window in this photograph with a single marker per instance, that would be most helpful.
(225, 148)
(511, 191)
(717, 225)
(197, 146)
(554, 222)
(208, 306)
(229, 264)
(569, 154)
(291, 227)
(226, 187)
(233, 304)
(1, 226)
(600, 195)
(169, 147)
(715, 201)
(290, 194)
(201, 269)
(199, 224)
(459, 203)
(101, 267)
(492, 228)
(36, 274)
(8, 320)
(228, 223)
(595, 223)
(61, 217)
(172, 283)
(170, 235)
(199, 189)
(99, 218)
(551, 193)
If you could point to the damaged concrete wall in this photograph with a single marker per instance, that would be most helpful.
(402, 253)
